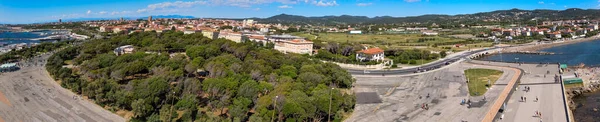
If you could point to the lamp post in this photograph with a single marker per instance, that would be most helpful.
(171, 109)
(330, 99)
(274, 107)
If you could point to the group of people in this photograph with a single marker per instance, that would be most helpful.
(425, 106)
(524, 99)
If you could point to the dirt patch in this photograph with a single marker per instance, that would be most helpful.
(124, 113)
(4, 100)
(1, 120)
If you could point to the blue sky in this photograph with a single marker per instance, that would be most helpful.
(30, 11)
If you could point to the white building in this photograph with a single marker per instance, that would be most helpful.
(264, 30)
(355, 32)
(430, 33)
(372, 54)
(123, 50)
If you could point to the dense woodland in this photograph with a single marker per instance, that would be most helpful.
(172, 76)
(346, 53)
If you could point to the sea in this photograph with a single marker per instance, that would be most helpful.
(8, 38)
(587, 53)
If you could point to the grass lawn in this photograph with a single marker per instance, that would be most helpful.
(404, 41)
(375, 38)
(478, 78)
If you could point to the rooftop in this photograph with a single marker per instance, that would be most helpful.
(371, 51)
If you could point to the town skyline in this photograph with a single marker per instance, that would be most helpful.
(39, 12)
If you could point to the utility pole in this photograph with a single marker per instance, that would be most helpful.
(330, 99)
(274, 107)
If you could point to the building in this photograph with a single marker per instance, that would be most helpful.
(264, 30)
(430, 33)
(210, 34)
(247, 23)
(371, 54)
(8, 67)
(189, 31)
(123, 50)
(526, 33)
(556, 35)
(233, 36)
(299, 46)
(258, 38)
(106, 29)
(277, 38)
(59, 20)
(120, 29)
(149, 19)
(355, 32)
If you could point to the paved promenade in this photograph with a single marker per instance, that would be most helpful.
(35, 97)
(401, 97)
(550, 104)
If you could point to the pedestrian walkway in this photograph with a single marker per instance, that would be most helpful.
(540, 82)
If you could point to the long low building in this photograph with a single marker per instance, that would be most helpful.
(299, 46)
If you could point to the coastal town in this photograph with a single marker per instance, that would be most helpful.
(144, 66)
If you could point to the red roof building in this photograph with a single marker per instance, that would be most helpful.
(371, 54)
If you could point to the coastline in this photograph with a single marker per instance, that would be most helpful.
(538, 47)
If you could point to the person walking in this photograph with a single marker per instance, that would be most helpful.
(525, 99)
(536, 99)
(521, 98)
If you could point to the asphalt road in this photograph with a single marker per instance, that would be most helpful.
(426, 67)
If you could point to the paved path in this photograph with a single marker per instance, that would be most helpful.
(35, 97)
(401, 102)
(550, 103)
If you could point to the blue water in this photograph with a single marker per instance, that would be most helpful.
(16, 37)
(573, 54)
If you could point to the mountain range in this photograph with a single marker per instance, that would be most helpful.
(133, 18)
(499, 16)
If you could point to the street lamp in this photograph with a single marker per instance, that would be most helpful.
(330, 99)
(171, 109)
(274, 107)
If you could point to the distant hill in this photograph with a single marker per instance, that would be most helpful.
(132, 18)
(500, 16)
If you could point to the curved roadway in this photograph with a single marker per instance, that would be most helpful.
(426, 67)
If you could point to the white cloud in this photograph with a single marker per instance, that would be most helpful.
(89, 12)
(410, 1)
(285, 6)
(171, 5)
(102, 12)
(541, 2)
(324, 3)
(364, 4)
(141, 10)
(176, 4)
(256, 9)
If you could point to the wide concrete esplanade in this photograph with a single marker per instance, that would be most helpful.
(401, 97)
(540, 79)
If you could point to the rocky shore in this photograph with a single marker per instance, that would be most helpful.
(581, 106)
